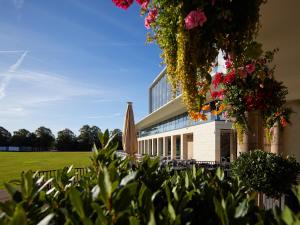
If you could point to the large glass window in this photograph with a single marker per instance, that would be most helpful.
(177, 122)
(160, 93)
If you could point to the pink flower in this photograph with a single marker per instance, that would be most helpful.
(194, 19)
(226, 114)
(143, 3)
(150, 18)
(218, 79)
(124, 4)
(250, 68)
(230, 77)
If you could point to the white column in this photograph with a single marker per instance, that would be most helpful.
(164, 147)
(182, 146)
(173, 147)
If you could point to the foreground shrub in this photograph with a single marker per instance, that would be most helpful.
(116, 191)
(266, 172)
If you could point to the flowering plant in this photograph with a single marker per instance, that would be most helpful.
(190, 34)
(252, 87)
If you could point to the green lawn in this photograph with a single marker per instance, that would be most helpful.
(13, 163)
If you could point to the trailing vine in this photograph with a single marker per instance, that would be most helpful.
(191, 33)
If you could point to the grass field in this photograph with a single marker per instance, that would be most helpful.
(13, 163)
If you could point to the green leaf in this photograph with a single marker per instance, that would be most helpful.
(76, 201)
(220, 174)
(46, 220)
(171, 211)
(134, 220)
(128, 178)
(19, 217)
(152, 218)
(105, 186)
(10, 189)
(242, 209)
(220, 211)
(287, 216)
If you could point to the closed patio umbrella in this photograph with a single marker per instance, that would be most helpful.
(130, 144)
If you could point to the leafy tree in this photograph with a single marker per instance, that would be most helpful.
(118, 133)
(95, 132)
(45, 138)
(85, 138)
(5, 137)
(66, 140)
(22, 138)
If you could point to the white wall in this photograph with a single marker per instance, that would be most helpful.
(291, 133)
(206, 139)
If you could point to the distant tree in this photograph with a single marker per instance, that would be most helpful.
(119, 134)
(21, 138)
(45, 138)
(66, 140)
(5, 137)
(85, 138)
(95, 132)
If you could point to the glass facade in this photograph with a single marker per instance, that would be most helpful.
(177, 122)
(160, 93)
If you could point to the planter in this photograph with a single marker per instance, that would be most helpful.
(276, 143)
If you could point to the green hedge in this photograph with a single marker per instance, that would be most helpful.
(116, 191)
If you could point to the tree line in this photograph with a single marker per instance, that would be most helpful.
(42, 139)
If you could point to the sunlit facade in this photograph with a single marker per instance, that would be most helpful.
(168, 131)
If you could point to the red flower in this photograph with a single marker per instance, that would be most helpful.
(243, 73)
(230, 77)
(150, 18)
(283, 122)
(250, 102)
(124, 4)
(214, 94)
(218, 79)
(217, 94)
(250, 68)
(228, 63)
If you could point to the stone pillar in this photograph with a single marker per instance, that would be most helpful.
(173, 147)
(275, 139)
(165, 153)
(182, 146)
(253, 136)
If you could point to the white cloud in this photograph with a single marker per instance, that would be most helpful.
(110, 116)
(9, 74)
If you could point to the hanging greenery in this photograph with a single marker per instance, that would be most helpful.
(191, 33)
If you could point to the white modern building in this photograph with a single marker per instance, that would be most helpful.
(168, 131)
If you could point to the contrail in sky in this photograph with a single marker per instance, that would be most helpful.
(9, 74)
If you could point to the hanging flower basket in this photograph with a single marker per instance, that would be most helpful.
(191, 33)
(252, 88)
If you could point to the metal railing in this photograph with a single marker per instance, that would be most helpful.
(79, 172)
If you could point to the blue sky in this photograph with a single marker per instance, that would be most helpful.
(66, 63)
